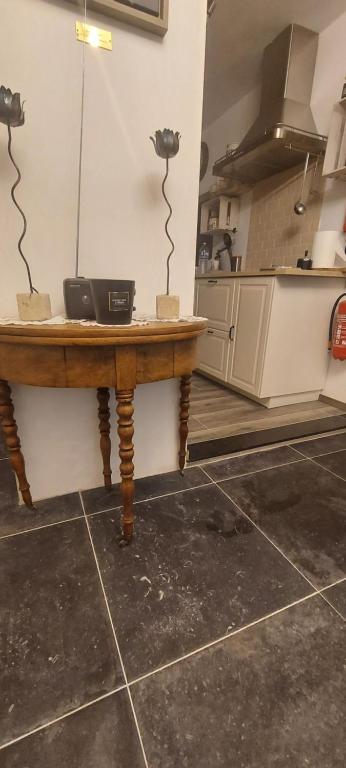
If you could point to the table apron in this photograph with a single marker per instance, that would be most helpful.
(120, 366)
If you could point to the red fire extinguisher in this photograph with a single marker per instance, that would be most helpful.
(337, 329)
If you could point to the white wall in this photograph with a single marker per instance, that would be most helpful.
(328, 81)
(141, 86)
(230, 128)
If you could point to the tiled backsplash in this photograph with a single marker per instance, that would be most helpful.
(276, 234)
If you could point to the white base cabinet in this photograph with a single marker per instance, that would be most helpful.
(267, 336)
(213, 353)
(249, 333)
(214, 299)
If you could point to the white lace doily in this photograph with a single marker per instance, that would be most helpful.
(60, 320)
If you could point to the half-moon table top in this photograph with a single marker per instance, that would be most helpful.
(77, 334)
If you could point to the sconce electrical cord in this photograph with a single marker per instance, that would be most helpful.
(15, 185)
(81, 135)
(167, 222)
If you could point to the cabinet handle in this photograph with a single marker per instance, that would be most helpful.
(231, 332)
(212, 281)
(210, 331)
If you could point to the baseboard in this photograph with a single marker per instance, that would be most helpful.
(332, 401)
(224, 445)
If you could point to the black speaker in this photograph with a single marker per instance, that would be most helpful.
(79, 304)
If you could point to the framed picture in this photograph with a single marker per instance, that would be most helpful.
(151, 15)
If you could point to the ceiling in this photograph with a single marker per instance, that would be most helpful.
(237, 33)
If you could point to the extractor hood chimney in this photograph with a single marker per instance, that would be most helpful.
(285, 129)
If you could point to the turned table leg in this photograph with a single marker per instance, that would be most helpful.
(185, 387)
(12, 441)
(126, 452)
(104, 424)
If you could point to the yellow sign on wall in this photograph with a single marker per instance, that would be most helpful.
(98, 38)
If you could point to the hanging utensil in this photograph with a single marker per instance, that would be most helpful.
(300, 207)
(313, 191)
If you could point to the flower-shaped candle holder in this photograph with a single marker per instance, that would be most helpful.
(33, 305)
(166, 145)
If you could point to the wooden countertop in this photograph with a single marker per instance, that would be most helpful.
(282, 272)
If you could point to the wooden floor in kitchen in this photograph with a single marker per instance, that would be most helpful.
(218, 412)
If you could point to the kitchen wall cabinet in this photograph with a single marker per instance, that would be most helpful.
(222, 211)
(335, 158)
(267, 336)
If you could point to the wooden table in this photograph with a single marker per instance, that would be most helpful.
(74, 355)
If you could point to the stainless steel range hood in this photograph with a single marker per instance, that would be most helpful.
(285, 129)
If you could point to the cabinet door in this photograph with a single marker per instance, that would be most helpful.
(212, 355)
(214, 300)
(250, 320)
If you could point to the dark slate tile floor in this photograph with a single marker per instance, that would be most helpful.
(321, 445)
(336, 596)
(252, 462)
(270, 696)
(184, 583)
(302, 509)
(57, 648)
(100, 499)
(16, 517)
(335, 462)
(220, 582)
(100, 736)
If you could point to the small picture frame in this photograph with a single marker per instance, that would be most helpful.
(150, 15)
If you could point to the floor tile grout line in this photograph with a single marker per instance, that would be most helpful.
(257, 431)
(269, 540)
(326, 469)
(265, 536)
(256, 471)
(115, 637)
(198, 650)
(319, 455)
(253, 451)
(321, 466)
(334, 584)
(62, 717)
(196, 487)
(103, 511)
(222, 638)
(318, 591)
(40, 527)
(202, 485)
(152, 498)
(329, 586)
(332, 606)
(290, 443)
(236, 455)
